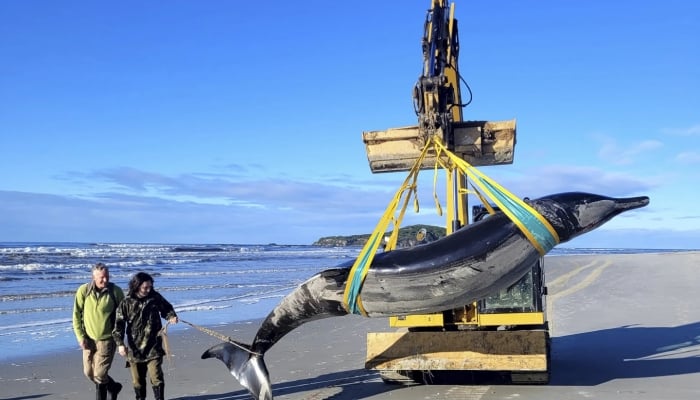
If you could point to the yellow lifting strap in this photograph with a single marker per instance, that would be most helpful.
(358, 272)
(532, 224)
(535, 228)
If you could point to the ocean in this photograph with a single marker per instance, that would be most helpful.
(207, 284)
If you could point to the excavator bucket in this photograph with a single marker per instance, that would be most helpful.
(478, 142)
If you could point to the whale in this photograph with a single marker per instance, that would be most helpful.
(465, 266)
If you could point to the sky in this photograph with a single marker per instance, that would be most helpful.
(241, 122)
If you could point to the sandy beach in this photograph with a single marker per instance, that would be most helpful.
(623, 327)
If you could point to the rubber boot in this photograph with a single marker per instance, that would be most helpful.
(140, 393)
(101, 391)
(159, 392)
(113, 388)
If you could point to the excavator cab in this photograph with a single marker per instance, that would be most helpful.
(525, 296)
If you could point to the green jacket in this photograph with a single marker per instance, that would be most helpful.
(94, 311)
(140, 318)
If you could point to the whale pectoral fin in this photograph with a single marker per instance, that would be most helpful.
(248, 368)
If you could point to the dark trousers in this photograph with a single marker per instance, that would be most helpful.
(152, 368)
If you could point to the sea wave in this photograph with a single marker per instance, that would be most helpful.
(207, 283)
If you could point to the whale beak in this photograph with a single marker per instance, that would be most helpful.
(592, 211)
(630, 203)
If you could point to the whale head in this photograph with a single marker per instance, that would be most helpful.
(572, 214)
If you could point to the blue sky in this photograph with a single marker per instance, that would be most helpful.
(241, 122)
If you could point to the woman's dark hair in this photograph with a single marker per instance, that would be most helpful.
(137, 280)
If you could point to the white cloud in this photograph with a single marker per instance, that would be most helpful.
(565, 178)
(618, 154)
(688, 157)
(690, 131)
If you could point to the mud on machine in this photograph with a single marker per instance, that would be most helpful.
(505, 335)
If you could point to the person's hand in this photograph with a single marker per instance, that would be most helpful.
(122, 350)
(83, 344)
(173, 320)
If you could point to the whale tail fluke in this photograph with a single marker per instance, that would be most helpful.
(247, 367)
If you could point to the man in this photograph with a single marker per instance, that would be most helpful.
(138, 316)
(94, 312)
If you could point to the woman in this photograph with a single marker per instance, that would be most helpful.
(139, 316)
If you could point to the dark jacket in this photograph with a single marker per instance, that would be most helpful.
(140, 318)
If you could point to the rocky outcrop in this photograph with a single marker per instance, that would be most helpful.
(408, 236)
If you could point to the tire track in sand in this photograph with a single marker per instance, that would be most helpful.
(460, 393)
(598, 267)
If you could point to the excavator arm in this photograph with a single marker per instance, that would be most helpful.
(436, 95)
(438, 105)
(466, 338)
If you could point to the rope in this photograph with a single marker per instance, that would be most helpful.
(166, 345)
(214, 334)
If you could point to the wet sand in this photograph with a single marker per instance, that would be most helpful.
(623, 327)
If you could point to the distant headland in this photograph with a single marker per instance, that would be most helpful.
(408, 236)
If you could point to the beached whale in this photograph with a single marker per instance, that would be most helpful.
(468, 265)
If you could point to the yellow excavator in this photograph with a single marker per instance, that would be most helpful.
(506, 334)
